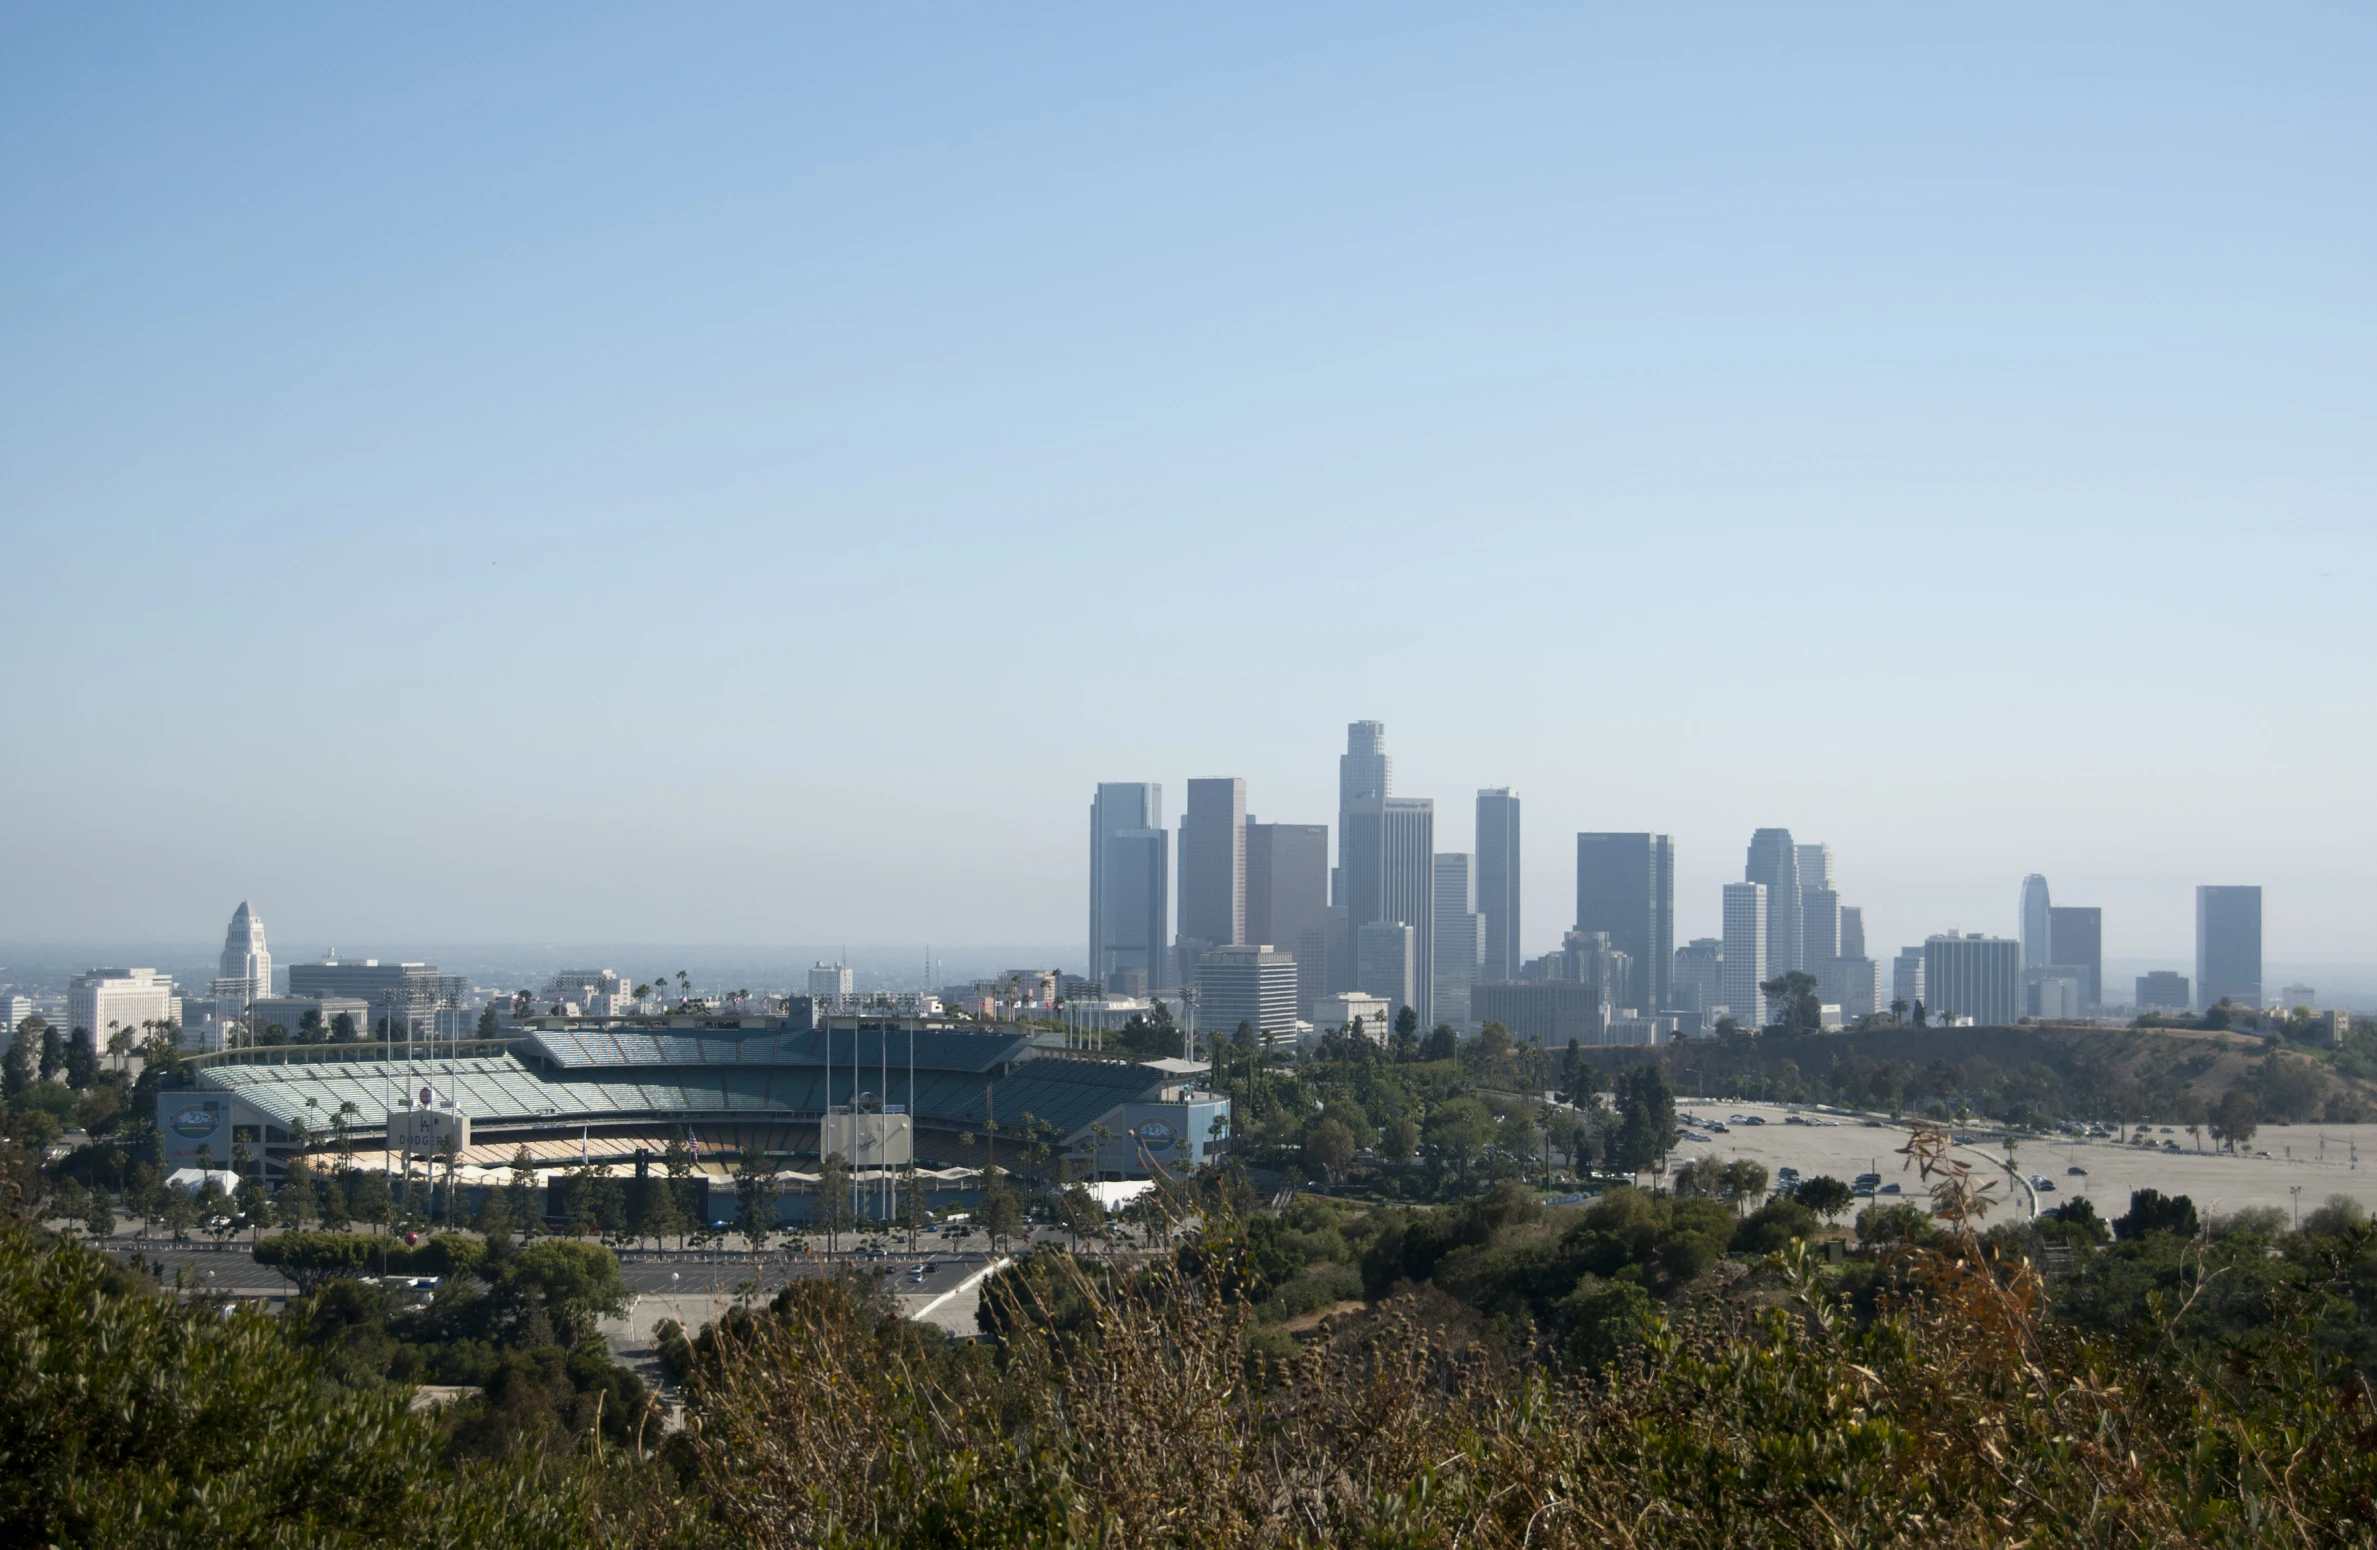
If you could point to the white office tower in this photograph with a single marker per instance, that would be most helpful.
(106, 1005)
(1459, 939)
(1130, 876)
(594, 992)
(246, 960)
(1774, 863)
(1975, 976)
(1253, 984)
(1906, 979)
(831, 981)
(1747, 932)
(2037, 923)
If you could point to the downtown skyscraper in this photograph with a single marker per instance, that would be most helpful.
(1386, 860)
(1498, 884)
(1747, 933)
(1774, 864)
(1212, 871)
(2227, 946)
(1287, 900)
(1625, 886)
(1129, 886)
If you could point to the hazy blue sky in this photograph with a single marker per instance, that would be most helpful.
(744, 474)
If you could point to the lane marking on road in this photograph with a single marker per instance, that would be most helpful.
(968, 1284)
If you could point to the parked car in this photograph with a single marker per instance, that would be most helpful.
(2076, 1171)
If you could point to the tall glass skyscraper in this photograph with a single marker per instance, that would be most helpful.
(1212, 870)
(1498, 883)
(1129, 885)
(2228, 946)
(1774, 863)
(1386, 849)
(2037, 923)
(1625, 886)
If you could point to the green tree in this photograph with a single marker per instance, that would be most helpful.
(1825, 1195)
(755, 1198)
(1001, 1213)
(519, 1195)
(1646, 1119)
(829, 1208)
(1742, 1181)
(297, 1202)
(1793, 1004)
(1329, 1146)
(368, 1198)
(913, 1212)
(2235, 1119)
(658, 1212)
(99, 1214)
(1458, 1130)
(16, 1070)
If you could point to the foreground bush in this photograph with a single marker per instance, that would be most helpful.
(129, 1418)
(1120, 1411)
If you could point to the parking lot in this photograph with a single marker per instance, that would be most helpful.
(2303, 1165)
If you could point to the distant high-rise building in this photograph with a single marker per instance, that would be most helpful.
(401, 996)
(1364, 773)
(2164, 990)
(1456, 939)
(2227, 946)
(2076, 940)
(1591, 958)
(1387, 856)
(1625, 886)
(831, 981)
(1852, 931)
(1698, 980)
(1253, 984)
(1906, 979)
(1130, 857)
(1774, 864)
(1815, 866)
(1819, 924)
(246, 966)
(2053, 993)
(1975, 976)
(1287, 900)
(1498, 882)
(1212, 868)
(1385, 954)
(1852, 984)
(2036, 928)
(1747, 933)
(107, 1002)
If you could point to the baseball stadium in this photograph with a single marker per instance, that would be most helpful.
(945, 1098)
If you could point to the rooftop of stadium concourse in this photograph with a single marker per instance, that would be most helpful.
(941, 1049)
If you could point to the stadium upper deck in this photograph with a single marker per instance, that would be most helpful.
(735, 1083)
